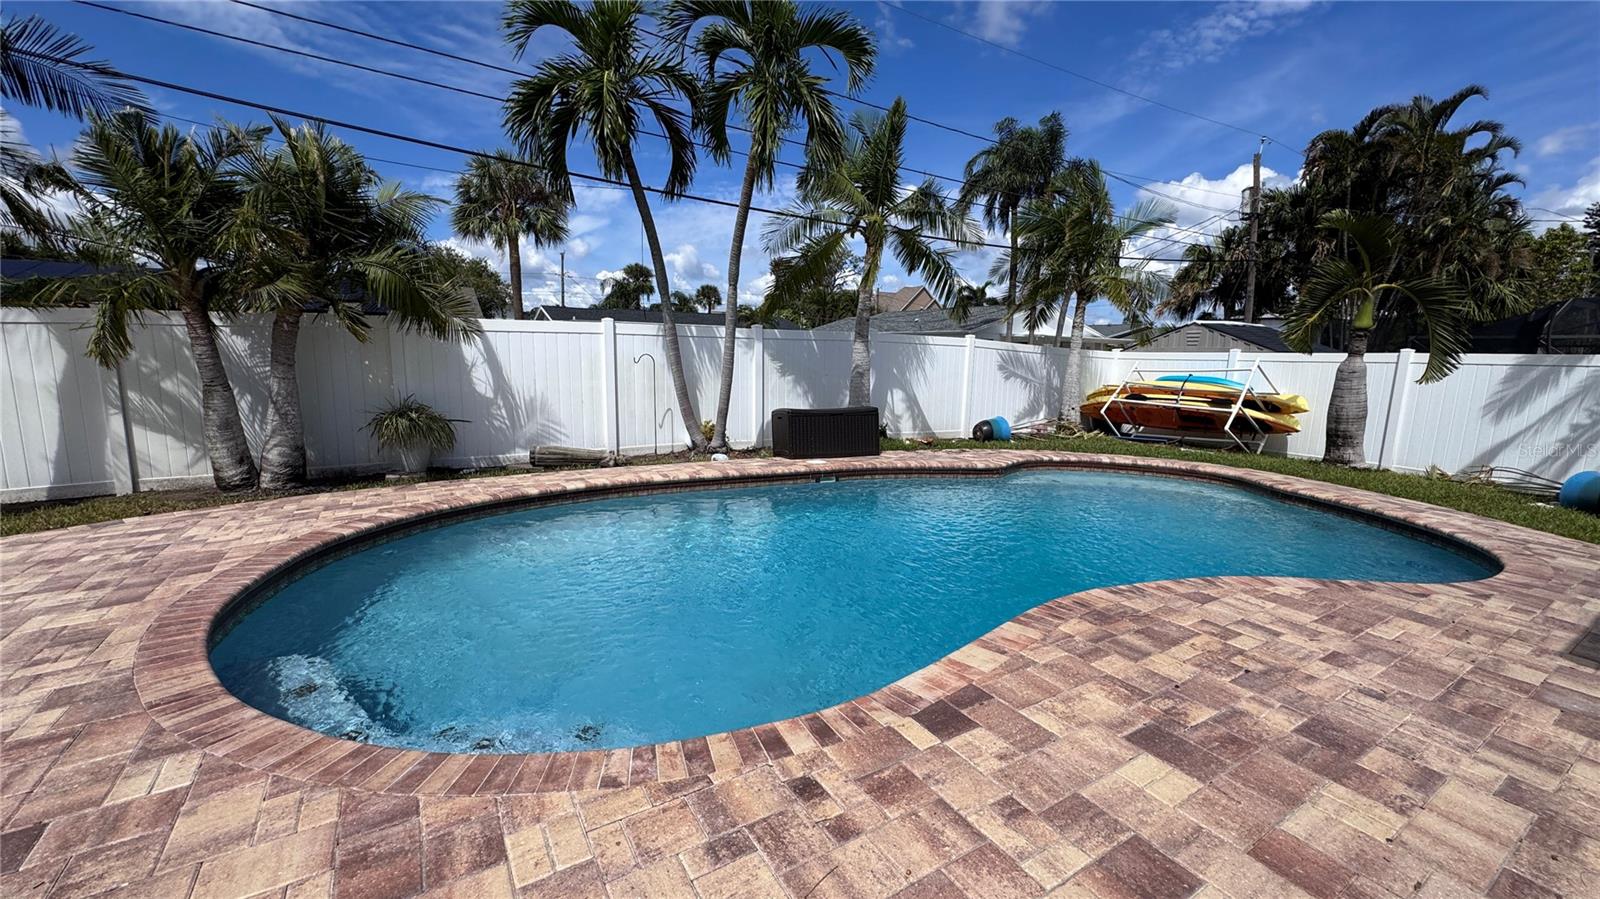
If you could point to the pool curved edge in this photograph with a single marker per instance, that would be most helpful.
(179, 690)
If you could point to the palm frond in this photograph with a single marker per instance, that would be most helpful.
(41, 65)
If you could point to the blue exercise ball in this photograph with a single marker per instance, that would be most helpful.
(1581, 491)
(1002, 428)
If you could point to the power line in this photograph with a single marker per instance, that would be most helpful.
(792, 142)
(499, 99)
(1092, 80)
(1564, 217)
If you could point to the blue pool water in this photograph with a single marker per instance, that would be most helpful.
(619, 622)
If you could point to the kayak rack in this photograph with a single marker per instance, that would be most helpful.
(1251, 441)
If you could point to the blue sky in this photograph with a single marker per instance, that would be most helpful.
(1287, 70)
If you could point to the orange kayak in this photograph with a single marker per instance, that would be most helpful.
(1195, 414)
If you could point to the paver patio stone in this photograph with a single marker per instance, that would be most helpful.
(1224, 736)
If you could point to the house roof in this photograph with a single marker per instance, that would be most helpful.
(595, 313)
(924, 321)
(22, 269)
(902, 300)
(1264, 336)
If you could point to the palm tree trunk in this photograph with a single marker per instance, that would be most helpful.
(669, 330)
(232, 468)
(1347, 407)
(1011, 284)
(730, 318)
(283, 453)
(1072, 382)
(514, 260)
(861, 337)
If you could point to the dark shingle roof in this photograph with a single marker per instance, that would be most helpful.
(22, 269)
(1264, 336)
(923, 321)
(649, 316)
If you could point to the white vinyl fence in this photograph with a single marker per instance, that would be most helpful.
(71, 428)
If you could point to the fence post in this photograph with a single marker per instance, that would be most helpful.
(758, 383)
(1394, 421)
(968, 353)
(1233, 362)
(120, 458)
(608, 384)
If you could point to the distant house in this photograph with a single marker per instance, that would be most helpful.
(595, 313)
(1208, 336)
(983, 322)
(906, 299)
(987, 322)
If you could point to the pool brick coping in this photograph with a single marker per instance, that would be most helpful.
(1245, 736)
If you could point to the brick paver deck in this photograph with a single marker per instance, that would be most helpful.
(1245, 737)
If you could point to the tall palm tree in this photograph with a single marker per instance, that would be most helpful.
(1073, 242)
(42, 66)
(502, 198)
(1016, 168)
(602, 87)
(753, 53)
(162, 208)
(861, 198)
(1358, 285)
(322, 233)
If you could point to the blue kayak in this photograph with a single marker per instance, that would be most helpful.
(1203, 379)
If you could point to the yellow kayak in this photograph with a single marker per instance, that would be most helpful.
(1277, 403)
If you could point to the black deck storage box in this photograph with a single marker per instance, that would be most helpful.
(825, 433)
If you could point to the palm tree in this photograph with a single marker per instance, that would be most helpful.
(162, 207)
(1016, 168)
(42, 66)
(629, 289)
(970, 295)
(502, 198)
(709, 296)
(1358, 285)
(766, 76)
(323, 233)
(861, 198)
(1072, 242)
(602, 87)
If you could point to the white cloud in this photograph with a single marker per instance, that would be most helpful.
(1214, 34)
(1571, 137)
(1201, 210)
(1001, 21)
(686, 270)
(1568, 201)
(889, 38)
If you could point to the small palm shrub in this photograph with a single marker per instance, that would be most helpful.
(408, 424)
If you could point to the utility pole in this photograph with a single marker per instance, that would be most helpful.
(563, 279)
(1255, 227)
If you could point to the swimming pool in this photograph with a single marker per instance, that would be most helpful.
(619, 622)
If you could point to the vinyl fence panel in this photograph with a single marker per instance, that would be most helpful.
(70, 428)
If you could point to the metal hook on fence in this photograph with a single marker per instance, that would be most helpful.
(655, 420)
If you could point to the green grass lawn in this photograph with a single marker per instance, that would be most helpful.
(1478, 499)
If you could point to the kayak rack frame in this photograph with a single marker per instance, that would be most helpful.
(1253, 374)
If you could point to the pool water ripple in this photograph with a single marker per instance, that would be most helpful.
(618, 622)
